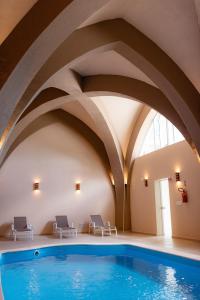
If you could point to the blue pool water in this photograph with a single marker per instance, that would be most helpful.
(98, 272)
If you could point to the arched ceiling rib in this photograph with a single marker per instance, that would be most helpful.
(141, 51)
(109, 62)
(117, 85)
(11, 13)
(120, 86)
(41, 45)
(45, 96)
(172, 25)
(122, 114)
(197, 8)
(133, 89)
(126, 87)
(44, 103)
(130, 156)
(26, 31)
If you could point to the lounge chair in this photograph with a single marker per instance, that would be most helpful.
(61, 227)
(21, 227)
(97, 226)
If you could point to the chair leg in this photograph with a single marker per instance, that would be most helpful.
(15, 237)
(60, 235)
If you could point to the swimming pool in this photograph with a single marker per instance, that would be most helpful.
(98, 272)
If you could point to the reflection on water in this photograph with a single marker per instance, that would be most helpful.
(33, 286)
(91, 277)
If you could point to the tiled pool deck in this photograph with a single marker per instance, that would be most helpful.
(187, 248)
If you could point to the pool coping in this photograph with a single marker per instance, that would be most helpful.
(166, 250)
(173, 252)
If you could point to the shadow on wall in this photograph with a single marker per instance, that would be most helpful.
(70, 121)
(5, 229)
(56, 157)
(48, 228)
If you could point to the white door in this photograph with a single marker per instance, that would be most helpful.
(163, 212)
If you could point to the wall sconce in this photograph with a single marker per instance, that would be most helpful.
(36, 186)
(177, 175)
(125, 178)
(78, 186)
(146, 182)
(112, 179)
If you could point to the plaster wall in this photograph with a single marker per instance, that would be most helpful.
(163, 164)
(59, 156)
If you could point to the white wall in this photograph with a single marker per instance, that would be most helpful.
(59, 155)
(162, 164)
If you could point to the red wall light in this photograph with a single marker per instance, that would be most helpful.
(177, 175)
(36, 186)
(78, 186)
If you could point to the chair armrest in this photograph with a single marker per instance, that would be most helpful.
(92, 224)
(55, 227)
(107, 224)
(29, 226)
(99, 227)
(72, 225)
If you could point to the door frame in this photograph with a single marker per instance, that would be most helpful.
(159, 221)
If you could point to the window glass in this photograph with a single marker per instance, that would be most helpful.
(170, 132)
(161, 133)
(148, 145)
(156, 125)
(177, 135)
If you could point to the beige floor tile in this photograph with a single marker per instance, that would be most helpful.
(181, 247)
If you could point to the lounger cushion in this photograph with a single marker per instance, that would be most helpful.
(97, 219)
(20, 224)
(62, 222)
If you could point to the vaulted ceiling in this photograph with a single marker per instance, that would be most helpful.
(107, 62)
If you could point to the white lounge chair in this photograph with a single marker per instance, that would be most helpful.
(61, 227)
(97, 226)
(20, 227)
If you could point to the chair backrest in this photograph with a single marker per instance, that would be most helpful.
(62, 221)
(97, 219)
(20, 223)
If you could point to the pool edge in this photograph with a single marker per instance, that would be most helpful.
(175, 252)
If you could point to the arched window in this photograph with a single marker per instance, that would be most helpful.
(161, 133)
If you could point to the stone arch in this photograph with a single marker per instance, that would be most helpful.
(50, 99)
(38, 44)
(137, 90)
(139, 49)
(121, 86)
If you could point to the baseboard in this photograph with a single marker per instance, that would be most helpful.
(144, 233)
(185, 238)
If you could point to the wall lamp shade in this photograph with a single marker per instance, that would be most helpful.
(36, 186)
(145, 182)
(78, 186)
(177, 175)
